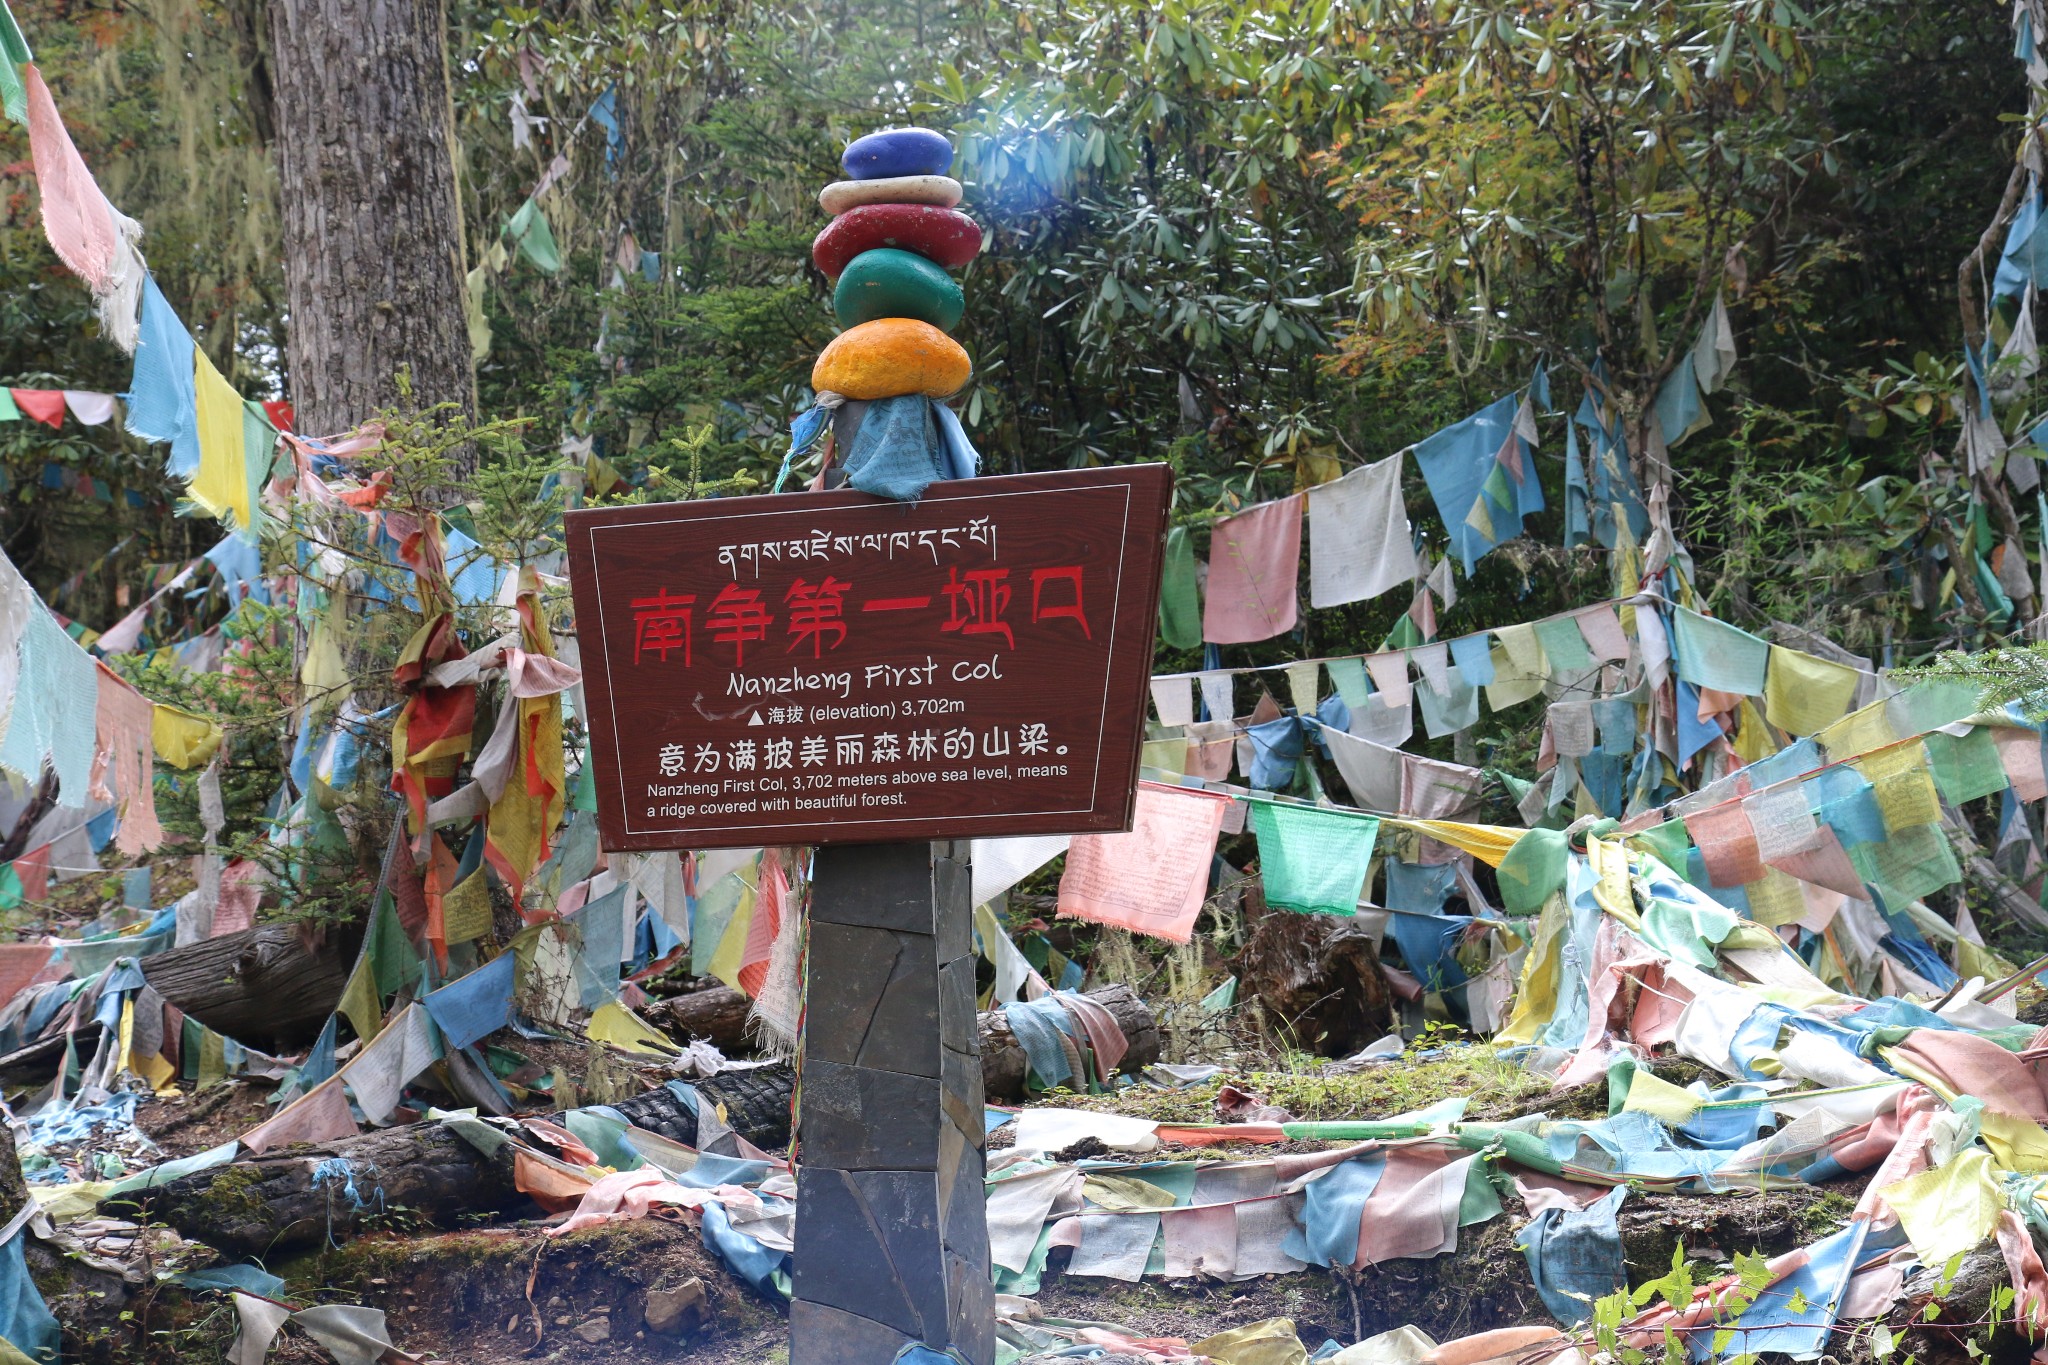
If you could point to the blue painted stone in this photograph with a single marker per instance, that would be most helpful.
(898, 151)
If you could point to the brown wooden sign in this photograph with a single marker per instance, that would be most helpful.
(835, 668)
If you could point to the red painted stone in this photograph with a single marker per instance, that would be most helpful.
(946, 236)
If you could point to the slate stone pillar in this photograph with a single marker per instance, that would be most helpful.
(891, 1224)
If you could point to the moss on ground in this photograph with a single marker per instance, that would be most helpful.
(1496, 1089)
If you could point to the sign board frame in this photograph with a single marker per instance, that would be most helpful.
(1034, 549)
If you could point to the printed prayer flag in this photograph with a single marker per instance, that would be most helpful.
(1153, 879)
(1715, 654)
(1804, 694)
(1254, 560)
(1359, 544)
(1313, 859)
(1479, 499)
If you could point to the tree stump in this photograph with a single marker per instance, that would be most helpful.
(1318, 979)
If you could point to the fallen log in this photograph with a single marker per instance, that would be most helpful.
(422, 1175)
(259, 1206)
(261, 987)
(718, 1014)
(1003, 1063)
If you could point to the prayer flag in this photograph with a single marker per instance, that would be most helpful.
(1313, 859)
(1359, 544)
(1254, 560)
(1804, 694)
(1153, 879)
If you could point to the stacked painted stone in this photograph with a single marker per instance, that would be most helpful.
(895, 232)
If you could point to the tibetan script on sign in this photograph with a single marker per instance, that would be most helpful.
(834, 668)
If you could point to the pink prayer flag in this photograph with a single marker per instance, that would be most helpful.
(2020, 752)
(33, 868)
(1602, 633)
(1826, 864)
(319, 1115)
(1390, 676)
(1254, 564)
(1413, 1211)
(76, 216)
(125, 744)
(1727, 843)
(44, 405)
(241, 889)
(1153, 879)
(20, 965)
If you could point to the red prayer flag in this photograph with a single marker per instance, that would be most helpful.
(45, 405)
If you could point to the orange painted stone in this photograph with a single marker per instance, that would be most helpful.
(889, 357)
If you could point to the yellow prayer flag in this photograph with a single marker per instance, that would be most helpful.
(2019, 1144)
(1648, 1093)
(1536, 994)
(613, 1023)
(1753, 740)
(1804, 694)
(360, 1003)
(1859, 732)
(466, 909)
(222, 484)
(1775, 898)
(1488, 843)
(1949, 1209)
(182, 739)
(1903, 783)
(725, 962)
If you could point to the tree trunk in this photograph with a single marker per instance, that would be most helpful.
(718, 1014)
(260, 987)
(373, 252)
(1003, 1062)
(270, 1204)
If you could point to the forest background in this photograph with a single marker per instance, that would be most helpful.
(1266, 242)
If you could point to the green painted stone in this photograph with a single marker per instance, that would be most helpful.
(887, 283)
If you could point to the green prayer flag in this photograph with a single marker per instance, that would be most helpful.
(13, 98)
(1180, 607)
(1313, 859)
(1405, 635)
(1348, 677)
(584, 795)
(392, 958)
(12, 45)
(10, 887)
(1668, 843)
(1532, 871)
(1563, 646)
(530, 232)
(1965, 766)
(8, 412)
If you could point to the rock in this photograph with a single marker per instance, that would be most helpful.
(594, 1330)
(944, 236)
(676, 1312)
(841, 195)
(890, 357)
(898, 151)
(888, 283)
